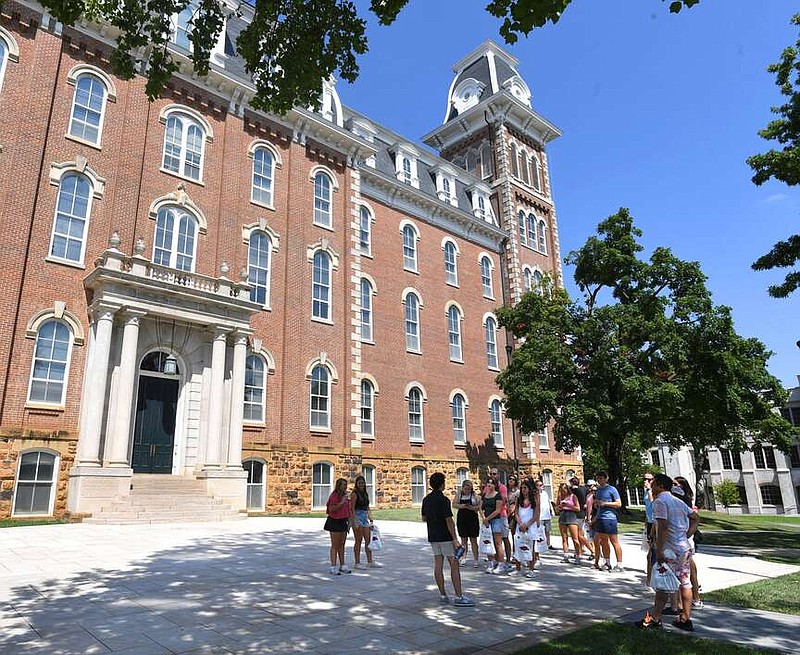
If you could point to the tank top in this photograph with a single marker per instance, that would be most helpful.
(525, 514)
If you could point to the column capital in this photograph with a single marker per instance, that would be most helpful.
(131, 316)
(103, 311)
(219, 332)
(240, 336)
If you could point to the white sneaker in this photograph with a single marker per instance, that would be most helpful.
(476, 564)
(537, 565)
(334, 570)
(530, 574)
(619, 568)
(489, 567)
(375, 565)
(361, 566)
(498, 569)
(344, 569)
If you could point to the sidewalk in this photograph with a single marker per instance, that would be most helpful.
(261, 586)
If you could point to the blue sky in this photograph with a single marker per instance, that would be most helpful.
(659, 113)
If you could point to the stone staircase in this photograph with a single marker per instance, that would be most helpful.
(165, 499)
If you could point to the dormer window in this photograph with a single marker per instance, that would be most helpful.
(407, 170)
(446, 188)
(481, 207)
(406, 165)
(445, 184)
(467, 94)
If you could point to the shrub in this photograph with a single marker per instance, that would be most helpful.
(727, 493)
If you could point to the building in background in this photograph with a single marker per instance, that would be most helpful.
(201, 298)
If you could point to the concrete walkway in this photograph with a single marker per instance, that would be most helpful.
(262, 586)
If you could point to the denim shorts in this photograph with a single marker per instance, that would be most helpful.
(498, 525)
(362, 518)
(605, 526)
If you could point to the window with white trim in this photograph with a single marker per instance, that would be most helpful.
(411, 303)
(88, 107)
(522, 224)
(450, 270)
(417, 485)
(487, 161)
(531, 226)
(416, 431)
(527, 279)
(322, 200)
(458, 412)
(259, 253)
(369, 479)
(320, 398)
(321, 286)
(184, 145)
(486, 277)
(73, 206)
(535, 176)
(364, 231)
(454, 333)
(538, 287)
(182, 24)
(496, 421)
(50, 366)
(407, 170)
(255, 484)
(490, 330)
(34, 490)
(321, 484)
(366, 309)
(542, 237)
(446, 188)
(410, 237)
(175, 242)
(255, 389)
(263, 176)
(513, 157)
(462, 475)
(367, 409)
(523, 167)
(544, 441)
(547, 483)
(405, 162)
(4, 50)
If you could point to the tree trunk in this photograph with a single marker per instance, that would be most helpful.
(615, 473)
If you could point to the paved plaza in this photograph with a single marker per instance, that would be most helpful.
(262, 586)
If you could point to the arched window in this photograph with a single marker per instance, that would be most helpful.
(258, 267)
(486, 277)
(321, 484)
(184, 143)
(527, 279)
(537, 283)
(462, 474)
(369, 478)
(487, 162)
(416, 430)
(481, 207)
(322, 200)
(364, 230)
(535, 178)
(35, 485)
(255, 389)
(417, 485)
(50, 366)
(88, 107)
(175, 242)
(320, 398)
(454, 333)
(531, 225)
(409, 248)
(366, 309)
(458, 412)
(496, 421)
(321, 286)
(255, 484)
(542, 237)
(490, 329)
(523, 167)
(450, 271)
(263, 175)
(521, 217)
(412, 322)
(407, 176)
(446, 188)
(3, 59)
(514, 164)
(367, 409)
(68, 241)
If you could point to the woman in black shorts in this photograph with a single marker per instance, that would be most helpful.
(467, 504)
(338, 524)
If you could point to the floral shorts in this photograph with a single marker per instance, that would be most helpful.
(682, 568)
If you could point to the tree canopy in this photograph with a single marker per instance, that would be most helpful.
(644, 356)
(783, 164)
(289, 47)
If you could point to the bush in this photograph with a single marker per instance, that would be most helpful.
(727, 493)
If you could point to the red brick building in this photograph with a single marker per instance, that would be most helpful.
(199, 290)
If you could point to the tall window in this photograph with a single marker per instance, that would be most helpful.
(542, 235)
(496, 420)
(482, 207)
(454, 333)
(764, 456)
(320, 398)
(254, 389)
(33, 493)
(446, 188)
(417, 485)
(544, 443)
(486, 277)
(263, 173)
(450, 271)
(407, 176)
(514, 164)
(409, 248)
(255, 484)
(491, 343)
(175, 239)
(321, 287)
(523, 167)
(771, 494)
(547, 482)
(182, 26)
(184, 141)
(321, 484)
(462, 474)
(369, 478)
(88, 104)
(522, 223)
(412, 322)
(367, 409)
(258, 263)
(531, 229)
(366, 309)
(415, 427)
(50, 367)
(537, 184)
(3, 60)
(527, 279)
(322, 200)
(731, 459)
(68, 241)
(538, 287)
(364, 231)
(459, 419)
(794, 456)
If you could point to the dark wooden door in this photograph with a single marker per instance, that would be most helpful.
(154, 433)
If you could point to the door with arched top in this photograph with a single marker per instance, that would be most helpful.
(156, 412)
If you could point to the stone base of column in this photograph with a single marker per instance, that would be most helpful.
(228, 485)
(92, 487)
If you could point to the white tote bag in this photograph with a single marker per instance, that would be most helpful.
(375, 540)
(540, 544)
(663, 579)
(486, 541)
(524, 546)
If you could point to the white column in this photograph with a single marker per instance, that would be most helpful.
(116, 453)
(215, 403)
(237, 400)
(94, 388)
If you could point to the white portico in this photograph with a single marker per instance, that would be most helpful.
(163, 388)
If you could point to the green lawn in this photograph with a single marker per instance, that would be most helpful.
(618, 639)
(775, 595)
(13, 523)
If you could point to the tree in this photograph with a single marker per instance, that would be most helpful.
(782, 164)
(728, 493)
(644, 357)
(289, 47)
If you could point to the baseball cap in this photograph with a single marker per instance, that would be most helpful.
(591, 483)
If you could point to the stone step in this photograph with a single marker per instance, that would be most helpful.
(152, 520)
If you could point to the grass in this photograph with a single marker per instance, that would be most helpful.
(618, 639)
(774, 595)
(14, 523)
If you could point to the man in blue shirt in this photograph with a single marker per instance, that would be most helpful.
(607, 501)
(648, 517)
